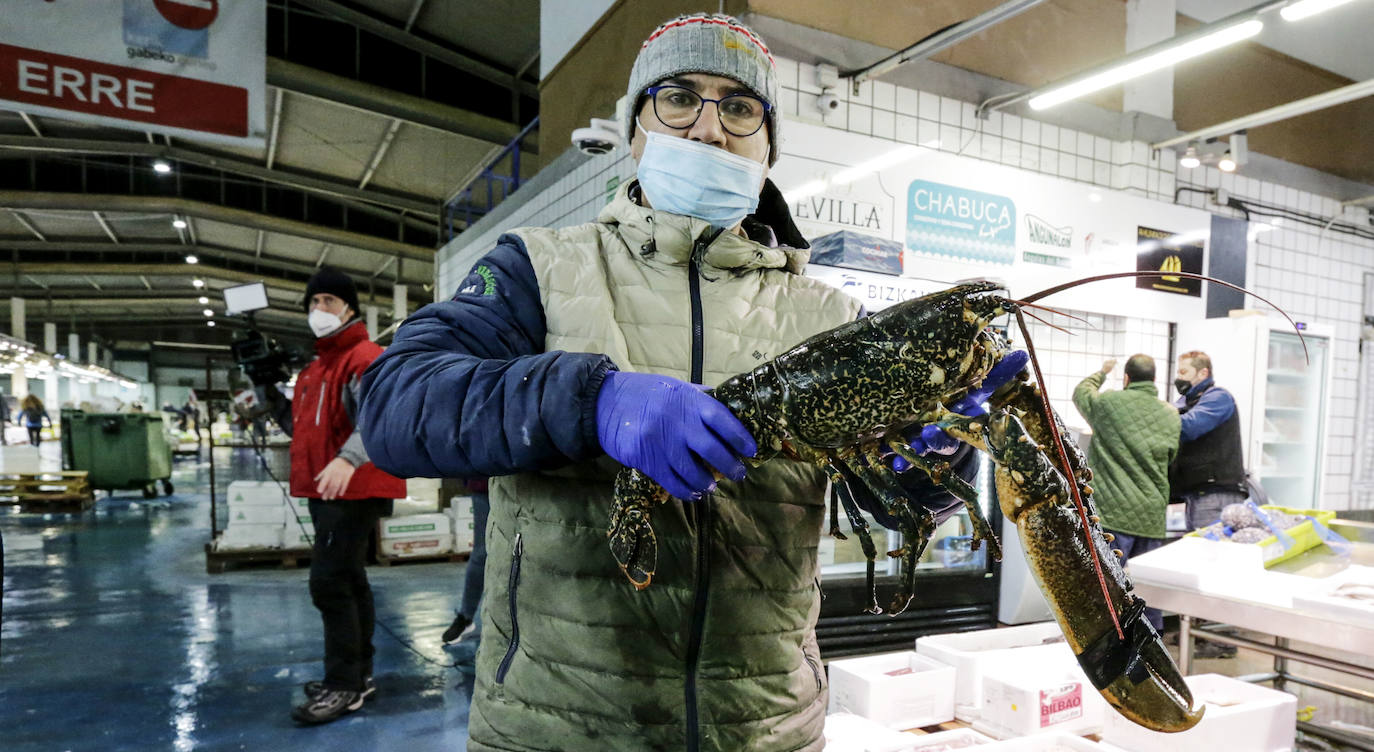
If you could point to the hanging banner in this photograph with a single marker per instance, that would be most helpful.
(954, 217)
(189, 68)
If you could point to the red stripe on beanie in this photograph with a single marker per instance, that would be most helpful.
(704, 19)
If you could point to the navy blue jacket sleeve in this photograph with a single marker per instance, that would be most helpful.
(466, 389)
(1214, 408)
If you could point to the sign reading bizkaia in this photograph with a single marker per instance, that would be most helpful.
(874, 205)
(182, 67)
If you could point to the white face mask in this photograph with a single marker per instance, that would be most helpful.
(323, 323)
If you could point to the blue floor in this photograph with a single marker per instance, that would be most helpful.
(114, 638)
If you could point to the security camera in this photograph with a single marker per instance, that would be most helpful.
(601, 137)
(827, 103)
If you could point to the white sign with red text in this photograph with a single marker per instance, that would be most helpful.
(190, 68)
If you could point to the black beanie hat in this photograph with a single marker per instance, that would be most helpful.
(336, 283)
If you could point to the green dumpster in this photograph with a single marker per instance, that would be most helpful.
(118, 450)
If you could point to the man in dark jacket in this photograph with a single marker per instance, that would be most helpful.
(1135, 437)
(1209, 472)
(567, 354)
(347, 493)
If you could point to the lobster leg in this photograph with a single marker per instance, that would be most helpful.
(1134, 671)
(633, 542)
(858, 526)
(915, 524)
(939, 472)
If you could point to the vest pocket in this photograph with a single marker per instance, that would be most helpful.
(813, 662)
(514, 620)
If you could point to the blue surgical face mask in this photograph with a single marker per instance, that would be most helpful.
(688, 177)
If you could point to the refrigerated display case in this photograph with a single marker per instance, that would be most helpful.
(1281, 393)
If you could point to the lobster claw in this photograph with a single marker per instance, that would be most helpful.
(1138, 676)
(633, 543)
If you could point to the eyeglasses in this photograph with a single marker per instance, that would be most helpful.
(679, 108)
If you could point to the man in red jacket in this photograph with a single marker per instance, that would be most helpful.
(347, 494)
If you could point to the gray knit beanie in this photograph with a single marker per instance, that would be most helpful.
(715, 44)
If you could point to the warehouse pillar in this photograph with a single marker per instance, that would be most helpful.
(1148, 22)
(371, 313)
(19, 380)
(50, 397)
(398, 303)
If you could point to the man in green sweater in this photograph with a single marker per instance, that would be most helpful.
(1135, 437)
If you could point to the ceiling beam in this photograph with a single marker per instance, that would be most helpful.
(26, 200)
(28, 225)
(276, 127)
(413, 203)
(379, 153)
(105, 226)
(376, 100)
(403, 37)
(28, 120)
(205, 253)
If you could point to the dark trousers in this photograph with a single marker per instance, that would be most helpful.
(339, 587)
(1131, 545)
(477, 562)
(35, 435)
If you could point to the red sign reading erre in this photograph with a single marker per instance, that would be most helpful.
(79, 85)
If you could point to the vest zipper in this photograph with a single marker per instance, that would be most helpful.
(514, 622)
(699, 513)
(320, 402)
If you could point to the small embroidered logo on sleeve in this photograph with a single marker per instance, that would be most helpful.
(480, 281)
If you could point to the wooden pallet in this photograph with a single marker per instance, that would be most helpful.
(57, 492)
(218, 562)
(455, 556)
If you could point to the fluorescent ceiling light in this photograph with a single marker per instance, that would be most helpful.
(179, 223)
(192, 260)
(1158, 61)
(161, 167)
(1305, 8)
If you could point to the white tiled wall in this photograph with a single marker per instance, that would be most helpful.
(1318, 277)
(918, 117)
(1067, 357)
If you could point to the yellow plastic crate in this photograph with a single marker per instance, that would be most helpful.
(1304, 535)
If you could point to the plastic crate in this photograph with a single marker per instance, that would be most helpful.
(1304, 536)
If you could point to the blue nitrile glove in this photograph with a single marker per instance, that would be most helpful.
(933, 439)
(671, 431)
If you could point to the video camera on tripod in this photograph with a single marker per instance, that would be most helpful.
(263, 359)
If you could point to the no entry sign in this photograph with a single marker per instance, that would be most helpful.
(183, 67)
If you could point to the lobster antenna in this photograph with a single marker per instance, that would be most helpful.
(1065, 314)
(1056, 327)
(1189, 275)
(1053, 425)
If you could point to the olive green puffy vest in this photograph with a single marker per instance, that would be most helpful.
(572, 657)
(1135, 437)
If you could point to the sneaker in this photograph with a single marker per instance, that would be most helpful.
(457, 628)
(330, 705)
(314, 689)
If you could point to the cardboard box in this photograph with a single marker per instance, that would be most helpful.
(249, 492)
(899, 690)
(429, 545)
(1239, 716)
(415, 526)
(846, 732)
(856, 250)
(1047, 743)
(970, 652)
(241, 513)
(944, 741)
(1037, 697)
(249, 536)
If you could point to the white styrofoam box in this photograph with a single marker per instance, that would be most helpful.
(846, 732)
(243, 535)
(461, 507)
(961, 738)
(970, 652)
(414, 526)
(1188, 561)
(1239, 715)
(825, 551)
(410, 506)
(257, 514)
(463, 529)
(899, 690)
(248, 492)
(1048, 743)
(1325, 597)
(429, 545)
(298, 536)
(1039, 696)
